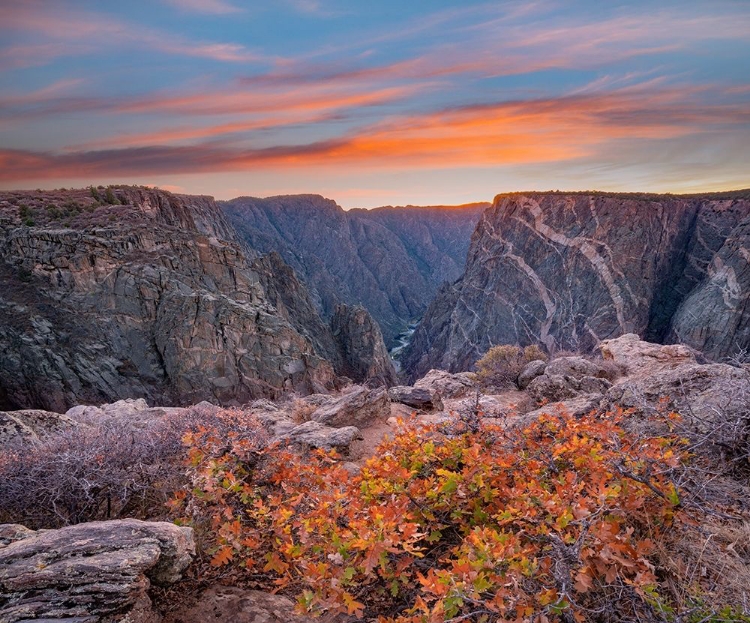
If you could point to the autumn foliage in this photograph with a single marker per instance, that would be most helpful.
(551, 521)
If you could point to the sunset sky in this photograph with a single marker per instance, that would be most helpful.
(378, 102)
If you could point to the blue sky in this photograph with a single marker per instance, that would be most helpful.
(374, 103)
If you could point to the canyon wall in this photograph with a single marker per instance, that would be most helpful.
(568, 270)
(147, 294)
(389, 260)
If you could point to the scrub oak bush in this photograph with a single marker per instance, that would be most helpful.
(501, 365)
(552, 521)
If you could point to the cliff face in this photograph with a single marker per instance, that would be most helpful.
(389, 260)
(567, 271)
(360, 342)
(150, 299)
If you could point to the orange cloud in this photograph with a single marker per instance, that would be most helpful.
(526, 132)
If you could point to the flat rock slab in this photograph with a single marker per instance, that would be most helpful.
(417, 397)
(91, 571)
(357, 406)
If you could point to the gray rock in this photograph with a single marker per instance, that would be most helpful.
(577, 367)
(558, 269)
(530, 371)
(93, 571)
(228, 604)
(31, 424)
(713, 399)
(10, 532)
(316, 435)
(555, 387)
(447, 385)
(358, 406)
(417, 397)
(552, 388)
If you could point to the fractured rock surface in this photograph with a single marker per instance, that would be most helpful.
(569, 270)
(92, 572)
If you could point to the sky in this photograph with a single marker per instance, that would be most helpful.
(376, 102)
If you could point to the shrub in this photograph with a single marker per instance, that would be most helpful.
(105, 470)
(534, 353)
(501, 365)
(109, 197)
(95, 194)
(551, 522)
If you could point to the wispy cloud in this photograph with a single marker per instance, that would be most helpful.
(64, 31)
(211, 7)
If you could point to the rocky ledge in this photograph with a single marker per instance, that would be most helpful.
(97, 572)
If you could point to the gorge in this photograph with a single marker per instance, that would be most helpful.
(174, 298)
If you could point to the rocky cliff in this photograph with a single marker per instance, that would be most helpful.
(569, 270)
(142, 293)
(360, 343)
(389, 260)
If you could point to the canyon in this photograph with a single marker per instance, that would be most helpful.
(390, 260)
(131, 292)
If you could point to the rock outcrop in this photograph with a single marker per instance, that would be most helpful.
(446, 384)
(360, 343)
(92, 572)
(569, 270)
(153, 297)
(356, 406)
(391, 260)
(30, 424)
(711, 397)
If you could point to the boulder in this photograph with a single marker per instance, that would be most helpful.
(530, 371)
(31, 424)
(578, 406)
(98, 571)
(228, 604)
(447, 385)
(358, 406)
(640, 358)
(10, 532)
(135, 411)
(316, 435)
(555, 387)
(417, 397)
(577, 367)
(492, 406)
(713, 399)
(552, 388)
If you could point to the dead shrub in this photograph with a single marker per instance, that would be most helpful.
(534, 353)
(500, 366)
(114, 470)
(707, 566)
